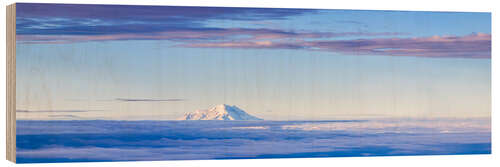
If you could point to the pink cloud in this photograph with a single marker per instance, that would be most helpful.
(197, 35)
(469, 46)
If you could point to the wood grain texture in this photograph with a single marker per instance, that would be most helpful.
(11, 83)
(82, 79)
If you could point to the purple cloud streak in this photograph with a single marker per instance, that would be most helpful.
(469, 46)
(70, 23)
(147, 100)
(199, 35)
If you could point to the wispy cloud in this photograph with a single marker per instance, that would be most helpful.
(470, 46)
(67, 116)
(69, 23)
(187, 26)
(53, 111)
(191, 36)
(148, 100)
(476, 45)
(74, 19)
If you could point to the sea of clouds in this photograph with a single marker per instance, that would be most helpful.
(99, 140)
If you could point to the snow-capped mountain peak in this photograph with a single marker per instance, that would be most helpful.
(219, 112)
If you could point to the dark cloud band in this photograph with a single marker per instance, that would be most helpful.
(470, 46)
(148, 100)
(74, 19)
(69, 23)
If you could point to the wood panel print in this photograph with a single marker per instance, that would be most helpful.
(126, 83)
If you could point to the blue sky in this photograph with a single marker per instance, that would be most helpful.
(144, 62)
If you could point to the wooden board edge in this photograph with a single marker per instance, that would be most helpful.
(11, 83)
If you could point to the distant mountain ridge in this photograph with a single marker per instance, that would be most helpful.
(219, 112)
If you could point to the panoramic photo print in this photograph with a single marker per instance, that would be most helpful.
(135, 83)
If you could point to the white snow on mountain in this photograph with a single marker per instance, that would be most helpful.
(219, 112)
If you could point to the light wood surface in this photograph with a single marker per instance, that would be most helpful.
(11, 83)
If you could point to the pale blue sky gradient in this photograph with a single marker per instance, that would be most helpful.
(273, 83)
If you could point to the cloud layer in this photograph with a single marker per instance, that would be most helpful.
(73, 19)
(192, 36)
(70, 141)
(470, 46)
(188, 26)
